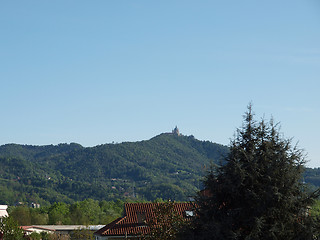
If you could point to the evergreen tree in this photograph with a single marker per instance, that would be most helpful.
(258, 192)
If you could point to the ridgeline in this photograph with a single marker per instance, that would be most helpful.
(168, 166)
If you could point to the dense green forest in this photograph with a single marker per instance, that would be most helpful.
(87, 212)
(167, 166)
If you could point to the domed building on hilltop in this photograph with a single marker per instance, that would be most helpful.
(175, 131)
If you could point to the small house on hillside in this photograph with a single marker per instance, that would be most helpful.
(136, 217)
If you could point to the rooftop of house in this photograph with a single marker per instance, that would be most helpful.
(136, 217)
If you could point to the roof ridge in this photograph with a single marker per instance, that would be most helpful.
(120, 219)
(109, 226)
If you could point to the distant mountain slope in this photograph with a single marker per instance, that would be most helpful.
(312, 177)
(166, 166)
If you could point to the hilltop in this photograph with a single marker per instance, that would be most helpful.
(168, 166)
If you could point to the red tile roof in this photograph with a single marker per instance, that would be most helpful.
(129, 225)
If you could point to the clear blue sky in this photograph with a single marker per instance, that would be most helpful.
(94, 72)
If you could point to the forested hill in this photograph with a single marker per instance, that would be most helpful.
(167, 166)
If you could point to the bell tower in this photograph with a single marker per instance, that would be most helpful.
(175, 131)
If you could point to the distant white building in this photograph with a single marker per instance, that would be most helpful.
(30, 229)
(3, 211)
(61, 229)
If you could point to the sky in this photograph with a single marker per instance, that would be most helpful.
(96, 72)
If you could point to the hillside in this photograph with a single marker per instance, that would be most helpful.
(167, 166)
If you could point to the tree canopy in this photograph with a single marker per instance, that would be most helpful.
(85, 212)
(258, 193)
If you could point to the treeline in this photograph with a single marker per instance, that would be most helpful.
(167, 166)
(87, 212)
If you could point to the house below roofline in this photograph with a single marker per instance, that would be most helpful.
(134, 222)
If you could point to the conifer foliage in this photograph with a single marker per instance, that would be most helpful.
(258, 193)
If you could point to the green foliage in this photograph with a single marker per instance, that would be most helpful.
(70, 172)
(10, 229)
(48, 236)
(81, 234)
(258, 193)
(164, 190)
(28, 216)
(35, 236)
(59, 214)
(315, 209)
(87, 212)
(38, 217)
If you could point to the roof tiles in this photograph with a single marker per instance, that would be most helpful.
(129, 224)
